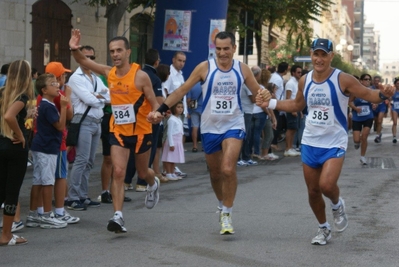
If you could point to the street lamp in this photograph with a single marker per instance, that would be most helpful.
(344, 47)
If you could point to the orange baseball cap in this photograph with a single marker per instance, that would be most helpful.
(56, 68)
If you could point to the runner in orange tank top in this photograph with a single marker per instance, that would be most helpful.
(132, 98)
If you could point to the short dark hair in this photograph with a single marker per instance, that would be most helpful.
(225, 35)
(294, 68)
(4, 69)
(151, 56)
(364, 75)
(87, 47)
(282, 67)
(41, 82)
(178, 53)
(120, 38)
(163, 72)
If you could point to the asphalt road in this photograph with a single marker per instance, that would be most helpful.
(272, 219)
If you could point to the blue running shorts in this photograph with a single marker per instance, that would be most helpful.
(212, 143)
(316, 156)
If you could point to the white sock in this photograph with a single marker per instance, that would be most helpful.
(220, 204)
(325, 225)
(336, 206)
(119, 213)
(60, 211)
(153, 187)
(40, 210)
(226, 209)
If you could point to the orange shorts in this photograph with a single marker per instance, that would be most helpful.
(139, 143)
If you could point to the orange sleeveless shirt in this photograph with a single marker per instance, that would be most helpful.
(129, 105)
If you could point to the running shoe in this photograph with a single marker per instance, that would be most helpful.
(152, 197)
(363, 160)
(273, 156)
(172, 177)
(115, 224)
(76, 205)
(291, 153)
(340, 218)
(178, 172)
(252, 162)
(90, 203)
(394, 140)
(378, 138)
(17, 226)
(105, 197)
(33, 220)
(66, 217)
(242, 163)
(141, 188)
(129, 187)
(50, 222)
(323, 235)
(225, 224)
(357, 145)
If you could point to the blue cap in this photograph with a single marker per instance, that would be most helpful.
(322, 44)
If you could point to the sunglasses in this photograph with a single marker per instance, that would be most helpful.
(91, 57)
(366, 79)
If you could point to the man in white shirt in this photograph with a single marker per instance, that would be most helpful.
(277, 79)
(174, 81)
(88, 90)
(291, 88)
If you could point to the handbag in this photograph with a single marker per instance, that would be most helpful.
(74, 129)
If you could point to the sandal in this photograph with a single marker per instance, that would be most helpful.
(195, 149)
(14, 241)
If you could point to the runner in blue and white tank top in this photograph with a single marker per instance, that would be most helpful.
(326, 123)
(222, 120)
(222, 103)
(395, 110)
(325, 91)
(362, 117)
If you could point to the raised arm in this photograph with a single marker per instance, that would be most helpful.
(74, 45)
(350, 85)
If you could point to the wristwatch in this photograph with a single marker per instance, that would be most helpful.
(382, 96)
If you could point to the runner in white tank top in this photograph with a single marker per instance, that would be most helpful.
(325, 91)
(222, 125)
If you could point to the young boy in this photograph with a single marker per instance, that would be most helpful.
(45, 148)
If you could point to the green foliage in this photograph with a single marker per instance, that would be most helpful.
(132, 4)
(294, 16)
(282, 53)
(338, 63)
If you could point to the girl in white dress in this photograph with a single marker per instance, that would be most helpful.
(173, 151)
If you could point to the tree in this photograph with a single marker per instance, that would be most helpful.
(114, 13)
(292, 15)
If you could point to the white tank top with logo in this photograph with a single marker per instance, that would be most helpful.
(222, 103)
(326, 122)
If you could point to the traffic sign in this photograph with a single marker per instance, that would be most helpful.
(302, 59)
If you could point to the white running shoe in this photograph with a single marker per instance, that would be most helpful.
(116, 225)
(67, 218)
(340, 218)
(273, 156)
(323, 235)
(363, 160)
(291, 153)
(226, 226)
(50, 222)
(152, 197)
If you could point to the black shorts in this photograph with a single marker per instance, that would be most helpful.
(359, 125)
(292, 121)
(105, 134)
(160, 135)
(138, 143)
